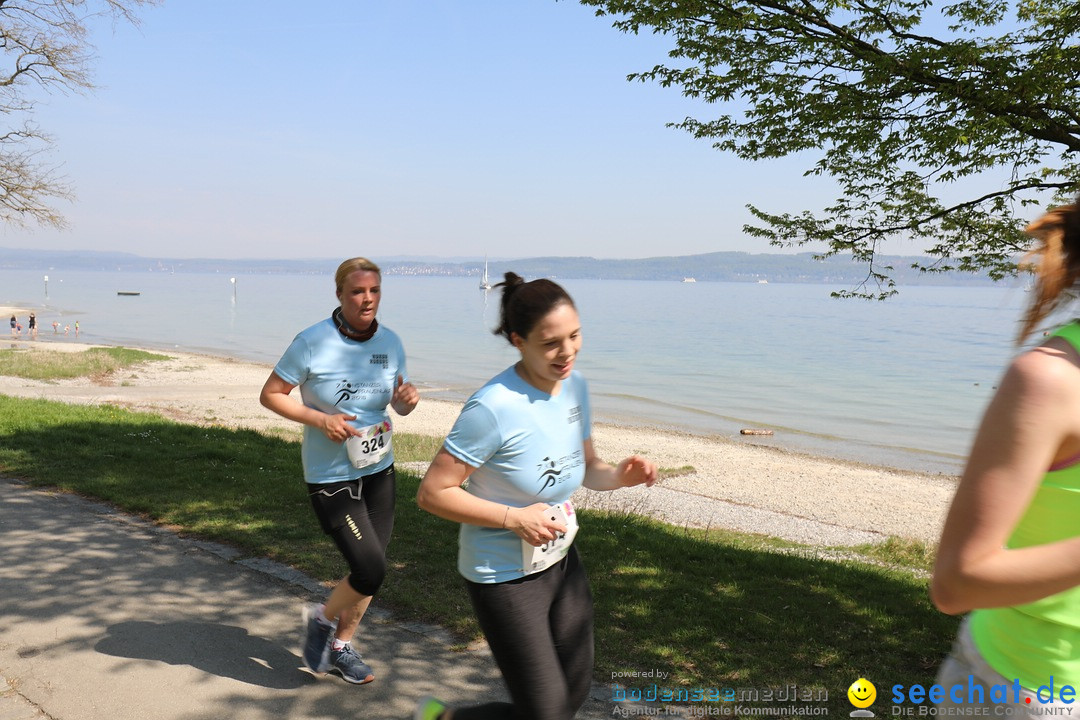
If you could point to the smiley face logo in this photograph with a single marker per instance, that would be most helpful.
(862, 693)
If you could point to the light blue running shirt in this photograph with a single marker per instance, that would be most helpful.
(339, 375)
(527, 447)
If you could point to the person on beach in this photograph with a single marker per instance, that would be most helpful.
(76, 328)
(1010, 547)
(14, 324)
(348, 368)
(55, 327)
(31, 325)
(523, 444)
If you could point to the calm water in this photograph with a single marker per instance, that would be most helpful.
(899, 383)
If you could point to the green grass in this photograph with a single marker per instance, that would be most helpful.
(715, 609)
(903, 553)
(55, 365)
(664, 473)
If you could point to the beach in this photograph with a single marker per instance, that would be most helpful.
(738, 486)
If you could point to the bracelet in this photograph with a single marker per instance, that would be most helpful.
(504, 517)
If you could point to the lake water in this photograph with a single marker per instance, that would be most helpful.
(900, 383)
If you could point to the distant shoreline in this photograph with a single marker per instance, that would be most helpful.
(726, 266)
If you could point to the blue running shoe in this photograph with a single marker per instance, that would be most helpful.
(316, 641)
(347, 663)
(429, 709)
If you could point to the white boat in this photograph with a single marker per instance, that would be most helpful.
(485, 282)
(762, 282)
(689, 279)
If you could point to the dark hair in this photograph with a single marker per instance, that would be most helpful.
(1058, 263)
(525, 303)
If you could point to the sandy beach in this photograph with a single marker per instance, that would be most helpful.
(732, 485)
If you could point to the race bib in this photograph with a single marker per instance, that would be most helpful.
(370, 446)
(534, 559)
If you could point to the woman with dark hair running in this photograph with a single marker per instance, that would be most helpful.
(348, 369)
(524, 444)
(1010, 549)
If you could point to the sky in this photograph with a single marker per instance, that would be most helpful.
(454, 128)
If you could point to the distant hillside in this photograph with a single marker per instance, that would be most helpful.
(718, 266)
(734, 267)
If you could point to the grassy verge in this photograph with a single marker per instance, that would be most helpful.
(55, 365)
(714, 609)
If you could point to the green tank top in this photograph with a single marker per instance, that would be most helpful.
(1040, 639)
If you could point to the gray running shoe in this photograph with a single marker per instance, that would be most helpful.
(347, 663)
(316, 641)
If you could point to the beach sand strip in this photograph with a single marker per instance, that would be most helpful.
(731, 484)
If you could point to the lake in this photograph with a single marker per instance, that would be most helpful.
(900, 383)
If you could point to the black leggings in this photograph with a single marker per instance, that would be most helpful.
(359, 516)
(540, 630)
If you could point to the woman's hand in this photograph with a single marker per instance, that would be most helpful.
(405, 397)
(532, 525)
(635, 470)
(337, 427)
(275, 396)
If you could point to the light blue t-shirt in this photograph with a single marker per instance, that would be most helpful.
(339, 375)
(527, 447)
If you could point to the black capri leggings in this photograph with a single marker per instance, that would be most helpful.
(540, 630)
(359, 516)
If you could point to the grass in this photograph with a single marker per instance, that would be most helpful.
(714, 608)
(55, 365)
(905, 553)
(664, 473)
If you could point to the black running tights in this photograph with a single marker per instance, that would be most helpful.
(540, 630)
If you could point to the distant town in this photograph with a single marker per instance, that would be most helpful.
(709, 267)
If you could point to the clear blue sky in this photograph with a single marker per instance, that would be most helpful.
(262, 128)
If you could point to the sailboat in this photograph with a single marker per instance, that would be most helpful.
(485, 283)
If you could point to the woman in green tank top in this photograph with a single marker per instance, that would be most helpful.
(1010, 548)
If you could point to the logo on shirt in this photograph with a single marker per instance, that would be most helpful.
(381, 359)
(345, 391)
(554, 472)
(575, 415)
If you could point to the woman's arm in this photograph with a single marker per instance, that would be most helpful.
(599, 475)
(1028, 425)
(275, 396)
(441, 494)
(405, 397)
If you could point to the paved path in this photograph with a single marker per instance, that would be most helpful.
(105, 617)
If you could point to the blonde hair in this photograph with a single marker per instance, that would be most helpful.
(352, 265)
(1055, 260)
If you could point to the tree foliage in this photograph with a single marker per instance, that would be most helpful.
(45, 49)
(906, 104)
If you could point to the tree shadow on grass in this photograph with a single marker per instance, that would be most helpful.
(716, 615)
(712, 614)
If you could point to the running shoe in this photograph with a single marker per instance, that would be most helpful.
(429, 709)
(316, 641)
(347, 663)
